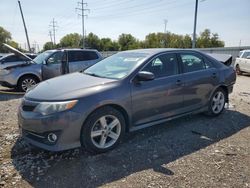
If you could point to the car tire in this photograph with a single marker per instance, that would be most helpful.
(217, 102)
(26, 82)
(103, 130)
(238, 71)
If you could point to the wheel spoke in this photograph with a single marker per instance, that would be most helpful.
(96, 133)
(214, 107)
(113, 135)
(103, 122)
(103, 141)
(113, 124)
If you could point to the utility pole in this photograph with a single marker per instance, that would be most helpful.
(195, 21)
(24, 25)
(165, 25)
(50, 35)
(82, 14)
(54, 26)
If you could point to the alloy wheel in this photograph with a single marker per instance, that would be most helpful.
(106, 131)
(218, 102)
(27, 83)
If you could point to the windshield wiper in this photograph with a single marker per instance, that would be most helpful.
(93, 74)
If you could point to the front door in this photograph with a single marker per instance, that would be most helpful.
(53, 66)
(159, 98)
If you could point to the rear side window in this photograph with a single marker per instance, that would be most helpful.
(193, 62)
(81, 56)
(163, 65)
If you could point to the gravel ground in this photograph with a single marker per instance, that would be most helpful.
(194, 151)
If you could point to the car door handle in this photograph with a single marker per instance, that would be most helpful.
(178, 82)
(214, 75)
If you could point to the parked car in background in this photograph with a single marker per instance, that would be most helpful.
(46, 65)
(14, 59)
(242, 62)
(124, 92)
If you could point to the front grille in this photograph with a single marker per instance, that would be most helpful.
(28, 108)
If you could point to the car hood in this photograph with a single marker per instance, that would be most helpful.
(17, 52)
(66, 87)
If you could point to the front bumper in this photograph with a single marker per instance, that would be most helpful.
(8, 80)
(66, 125)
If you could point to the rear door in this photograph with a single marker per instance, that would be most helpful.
(159, 98)
(80, 60)
(200, 79)
(53, 66)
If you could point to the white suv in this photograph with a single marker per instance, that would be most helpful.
(242, 63)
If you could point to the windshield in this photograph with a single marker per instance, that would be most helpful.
(43, 56)
(117, 66)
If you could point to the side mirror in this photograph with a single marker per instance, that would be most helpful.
(248, 57)
(44, 62)
(145, 76)
(50, 60)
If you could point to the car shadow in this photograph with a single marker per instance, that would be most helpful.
(151, 148)
(9, 94)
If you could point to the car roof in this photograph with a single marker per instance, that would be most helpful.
(153, 51)
(245, 51)
(77, 49)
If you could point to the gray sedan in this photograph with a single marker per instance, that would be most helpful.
(125, 92)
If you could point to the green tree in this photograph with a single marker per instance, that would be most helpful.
(5, 37)
(13, 44)
(92, 41)
(209, 40)
(71, 40)
(127, 42)
(48, 46)
(106, 44)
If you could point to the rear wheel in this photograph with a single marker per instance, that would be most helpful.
(238, 71)
(26, 82)
(217, 102)
(103, 130)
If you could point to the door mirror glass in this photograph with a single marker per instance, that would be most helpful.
(145, 76)
(50, 60)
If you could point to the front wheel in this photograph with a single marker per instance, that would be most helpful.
(238, 71)
(103, 130)
(26, 82)
(217, 102)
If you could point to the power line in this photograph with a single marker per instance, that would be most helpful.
(54, 26)
(141, 11)
(82, 14)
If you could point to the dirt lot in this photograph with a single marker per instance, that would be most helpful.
(194, 151)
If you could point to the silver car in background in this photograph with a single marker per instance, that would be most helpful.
(14, 59)
(46, 65)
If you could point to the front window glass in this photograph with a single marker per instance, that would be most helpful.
(55, 58)
(117, 66)
(43, 56)
(164, 65)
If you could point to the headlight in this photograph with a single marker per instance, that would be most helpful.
(4, 72)
(46, 108)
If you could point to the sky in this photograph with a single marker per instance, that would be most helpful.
(109, 18)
